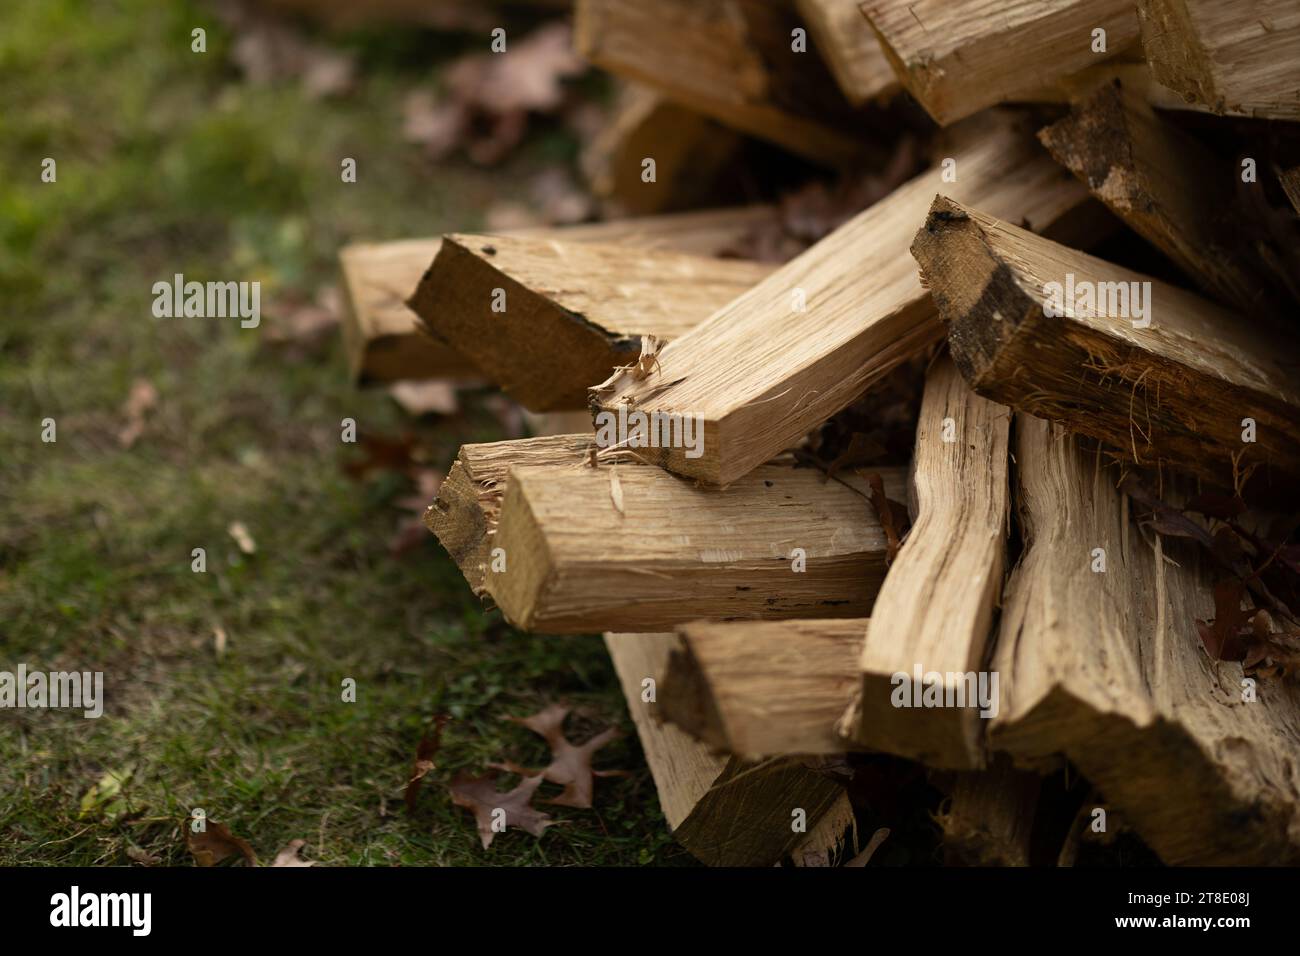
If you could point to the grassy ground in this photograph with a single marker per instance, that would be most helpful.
(167, 162)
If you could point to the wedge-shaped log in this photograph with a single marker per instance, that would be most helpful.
(931, 624)
(464, 515)
(724, 811)
(847, 43)
(1240, 57)
(629, 546)
(1290, 180)
(729, 59)
(1177, 195)
(546, 319)
(989, 817)
(1188, 382)
(959, 56)
(690, 153)
(801, 345)
(760, 688)
(1106, 668)
(382, 336)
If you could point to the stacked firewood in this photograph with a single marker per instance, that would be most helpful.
(1084, 554)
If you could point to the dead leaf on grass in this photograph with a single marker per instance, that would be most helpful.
(289, 855)
(424, 754)
(481, 796)
(216, 843)
(570, 765)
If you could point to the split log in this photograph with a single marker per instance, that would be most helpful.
(629, 546)
(1106, 668)
(761, 688)
(546, 319)
(957, 58)
(762, 373)
(464, 515)
(728, 59)
(1240, 57)
(724, 811)
(1290, 180)
(1179, 388)
(935, 609)
(690, 152)
(848, 44)
(989, 817)
(1177, 195)
(383, 338)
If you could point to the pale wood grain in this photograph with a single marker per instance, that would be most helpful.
(631, 547)
(935, 608)
(959, 56)
(573, 311)
(1176, 391)
(1240, 57)
(723, 810)
(1107, 670)
(763, 375)
(759, 688)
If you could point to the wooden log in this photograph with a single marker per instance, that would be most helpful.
(958, 57)
(690, 152)
(1176, 194)
(1177, 388)
(1290, 180)
(546, 319)
(932, 619)
(728, 59)
(383, 338)
(724, 811)
(1240, 57)
(380, 333)
(1106, 668)
(762, 374)
(989, 817)
(464, 515)
(629, 546)
(847, 43)
(760, 688)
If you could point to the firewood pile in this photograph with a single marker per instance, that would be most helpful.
(991, 476)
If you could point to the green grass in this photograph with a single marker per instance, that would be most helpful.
(168, 162)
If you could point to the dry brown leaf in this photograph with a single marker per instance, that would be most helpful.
(425, 398)
(216, 843)
(301, 328)
(289, 855)
(239, 532)
(425, 751)
(142, 399)
(570, 765)
(480, 795)
(143, 857)
(891, 514)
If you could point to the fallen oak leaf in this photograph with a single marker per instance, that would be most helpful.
(891, 515)
(1221, 637)
(289, 855)
(570, 765)
(425, 751)
(481, 796)
(216, 843)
